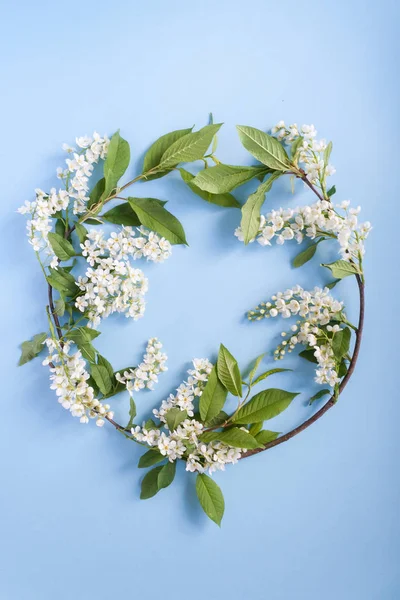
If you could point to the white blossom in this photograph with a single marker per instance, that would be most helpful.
(317, 309)
(75, 179)
(185, 441)
(69, 379)
(146, 374)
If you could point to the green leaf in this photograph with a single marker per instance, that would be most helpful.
(342, 268)
(220, 199)
(264, 148)
(150, 484)
(155, 217)
(116, 163)
(332, 284)
(255, 428)
(190, 147)
(294, 150)
(327, 153)
(225, 178)
(166, 475)
(174, 417)
(62, 281)
(60, 227)
(264, 437)
(228, 371)
(257, 363)
(268, 373)
(132, 413)
(105, 363)
(96, 194)
(122, 215)
(59, 306)
(153, 155)
(264, 405)
(305, 255)
(82, 335)
(150, 458)
(218, 420)
(238, 438)
(331, 191)
(319, 395)
(32, 348)
(210, 498)
(102, 378)
(308, 355)
(251, 211)
(341, 343)
(88, 351)
(81, 232)
(63, 249)
(342, 369)
(213, 397)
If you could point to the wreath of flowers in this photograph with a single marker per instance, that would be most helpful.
(190, 425)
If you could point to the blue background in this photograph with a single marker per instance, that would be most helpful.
(315, 518)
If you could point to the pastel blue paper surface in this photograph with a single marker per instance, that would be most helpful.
(316, 518)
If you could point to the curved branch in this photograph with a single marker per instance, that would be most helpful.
(332, 401)
(53, 311)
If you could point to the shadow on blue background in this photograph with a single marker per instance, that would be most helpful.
(314, 519)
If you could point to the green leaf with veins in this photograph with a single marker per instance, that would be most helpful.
(265, 436)
(190, 147)
(155, 152)
(116, 163)
(96, 193)
(157, 218)
(264, 406)
(174, 417)
(341, 343)
(210, 498)
(150, 458)
(102, 378)
(166, 475)
(226, 200)
(268, 373)
(235, 437)
(251, 210)
(122, 214)
(150, 484)
(81, 232)
(31, 348)
(213, 397)
(257, 363)
(82, 335)
(264, 148)
(319, 395)
(62, 248)
(228, 371)
(132, 413)
(342, 268)
(304, 256)
(225, 178)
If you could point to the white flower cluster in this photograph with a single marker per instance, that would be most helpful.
(315, 221)
(184, 441)
(311, 151)
(124, 245)
(69, 379)
(187, 391)
(146, 374)
(317, 309)
(76, 178)
(111, 284)
(317, 305)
